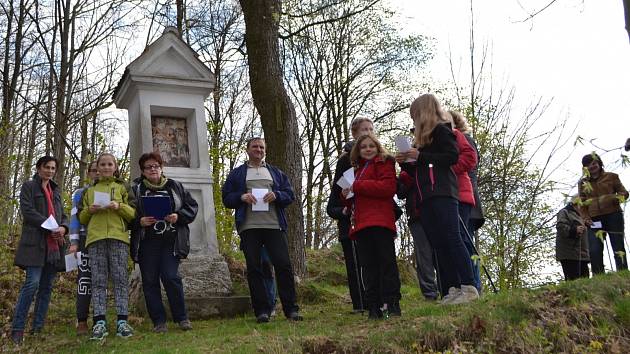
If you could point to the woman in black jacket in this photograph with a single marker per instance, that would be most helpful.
(41, 251)
(158, 243)
(438, 197)
(338, 211)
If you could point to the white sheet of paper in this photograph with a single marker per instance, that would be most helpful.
(259, 194)
(72, 263)
(402, 143)
(348, 175)
(343, 183)
(79, 257)
(50, 223)
(101, 199)
(596, 225)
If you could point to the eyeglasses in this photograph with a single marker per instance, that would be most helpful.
(152, 167)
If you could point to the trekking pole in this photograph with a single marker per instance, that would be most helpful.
(609, 260)
(356, 272)
(472, 242)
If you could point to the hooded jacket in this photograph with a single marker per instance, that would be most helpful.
(107, 223)
(570, 245)
(374, 187)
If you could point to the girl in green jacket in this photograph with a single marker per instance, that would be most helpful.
(106, 212)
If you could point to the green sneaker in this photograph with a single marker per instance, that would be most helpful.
(99, 331)
(124, 330)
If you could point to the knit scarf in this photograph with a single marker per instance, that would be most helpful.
(155, 187)
(53, 245)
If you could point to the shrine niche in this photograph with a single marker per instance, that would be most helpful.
(170, 140)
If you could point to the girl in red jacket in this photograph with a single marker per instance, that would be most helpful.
(373, 223)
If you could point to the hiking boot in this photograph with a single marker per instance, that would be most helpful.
(468, 293)
(262, 318)
(160, 328)
(453, 293)
(17, 337)
(123, 329)
(375, 313)
(82, 328)
(294, 316)
(99, 331)
(185, 325)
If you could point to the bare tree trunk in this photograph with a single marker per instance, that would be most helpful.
(276, 110)
(626, 12)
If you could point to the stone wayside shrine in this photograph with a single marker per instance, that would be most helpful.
(164, 90)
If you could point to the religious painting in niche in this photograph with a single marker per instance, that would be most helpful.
(170, 140)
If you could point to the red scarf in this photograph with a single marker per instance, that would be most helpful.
(52, 244)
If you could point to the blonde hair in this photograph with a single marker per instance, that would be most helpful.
(460, 122)
(356, 122)
(117, 172)
(426, 113)
(355, 153)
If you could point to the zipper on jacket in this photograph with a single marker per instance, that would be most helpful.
(431, 177)
(418, 186)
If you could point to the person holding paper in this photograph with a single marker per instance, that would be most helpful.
(158, 246)
(41, 249)
(337, 210)
(78, 234)
(107, 242)
(438, 194)
(601, 195)
(373, 224)
(572, 242)
(263, 226)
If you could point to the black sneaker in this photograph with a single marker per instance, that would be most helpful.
(295, 316)
(394, 309)
(262, 318)
(375, 313)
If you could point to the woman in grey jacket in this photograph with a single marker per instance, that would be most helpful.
(40, 251)
(572, 243)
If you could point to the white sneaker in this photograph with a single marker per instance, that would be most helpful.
(453, 293)
(468, 293)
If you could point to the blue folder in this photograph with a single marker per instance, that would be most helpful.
(156, 206)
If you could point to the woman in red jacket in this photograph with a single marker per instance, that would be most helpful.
(373, 223)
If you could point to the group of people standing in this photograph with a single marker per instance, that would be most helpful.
(589, 217)
(105, 232)
(437, 179)
(438, 182)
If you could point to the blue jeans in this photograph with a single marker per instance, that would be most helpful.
(38, 280)
(440, 220)
(157, 262)
(613, 224)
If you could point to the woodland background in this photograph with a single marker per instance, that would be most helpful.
(331, 60)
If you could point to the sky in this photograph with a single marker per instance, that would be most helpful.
(576, 52)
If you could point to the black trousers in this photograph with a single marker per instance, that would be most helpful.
(353, 272)
(613, 224)
(84, 287)
(574, 269)
(378, 261)
(275, 242)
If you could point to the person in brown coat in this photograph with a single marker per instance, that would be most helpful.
(601, 195)
(572, 243)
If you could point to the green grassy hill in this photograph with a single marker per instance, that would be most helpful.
(581, 316)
